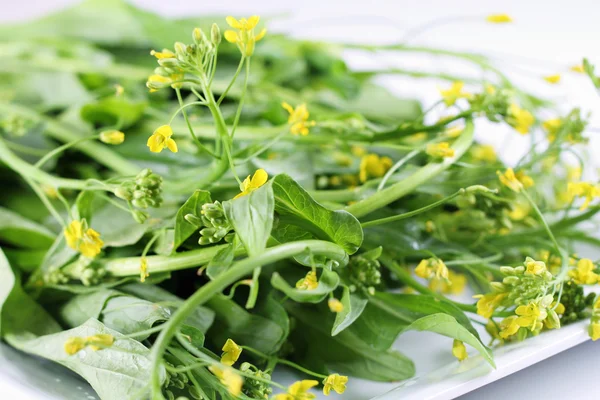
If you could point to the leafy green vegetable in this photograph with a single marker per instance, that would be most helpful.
(328, 282)
(354, 304)
(21, 232)
(193, 205)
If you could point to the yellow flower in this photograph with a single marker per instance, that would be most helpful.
(487, 303)
(578, 68)
(309, 282)
(162, 54)
(454, 93)
(552, 126)
(454, 131)
(231, 352)
(455, 284)
(583, 189)
(508, 327)
(534, 267)
(335, 382)
(520, 119)
(161, 138)
(373, 166)
(143, 269)
(231, 380)
(439, 150)
(515, 182)
(112, 137)
(519, 210)
(528, 316)
(298, 391)
(259, 178)
(245, 37)
(584, 273)
(499, 18)
(298, 119)
(335, 305)
(594, 331)
(95, 343)
(459, 350)
(156, 82)
(83, 239)
(358, 151)
(553, 79)
(484, 152)
(432, 267)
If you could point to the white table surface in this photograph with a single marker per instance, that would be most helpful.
(549, 35)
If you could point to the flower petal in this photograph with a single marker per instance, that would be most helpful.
(259, 178)
(234, 23)
(252, 22)
(261, 35)
(231, 36)
(171, 145)
(164, 131)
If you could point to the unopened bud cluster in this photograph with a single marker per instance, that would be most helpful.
(256, 389)
(144, 191)
(365, 272)
(524, 283)
(176, 382)
(214, 222)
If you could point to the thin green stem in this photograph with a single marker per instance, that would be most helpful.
(40, 193)
(189, 125)
(263, 148)
(396, 166)
(414, 212)
(238, 112)
(237, 72)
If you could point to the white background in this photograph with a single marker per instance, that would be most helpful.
(546, 38)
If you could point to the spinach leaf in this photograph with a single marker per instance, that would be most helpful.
(328, 282)
(354, 304)
(252, 218)
(21, 232)
(233, 321)
(121, 371)
(295, 206)
(193, 205)
(221, 261)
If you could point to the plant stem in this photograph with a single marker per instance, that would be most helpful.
(60, 149)
(237, 271)
(407, 185)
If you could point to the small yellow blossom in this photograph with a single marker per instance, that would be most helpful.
(231, 352)
(432, 267)
(487, 303)
(112, 137)
(439, 150)
(499, 19)
(161, 138)
(584, 273)
(455, 284)
(577, 68)
(529, 316)
(520, 119)
(373, 166)
(358, 151)
(259, 178)
(143, 269)
(594, 331)
(553, 79)
(299, 391)
(583, 189)
(515, 182)
(244, 38)
(335, 382)
(534, 267)
(156, 82)
(526, 180)
(83, 239)
(162, 54)
(508, 327)
(298, 119)
(454, 131)
(484, 153)
(552, 126)
(519, 210)
(455, 92)
(230, 379)
(309, 282)
(95, 343)
(335, 305)
(459, 350)
(573, 174)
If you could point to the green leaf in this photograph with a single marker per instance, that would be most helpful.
(345, 353)
(113, 111)
(221, 261)
(7, 284)
(202, 317)
(295, 206)
(121, 371)
(21, 232)
(354, 304)
(193, 205)
(328, 282)
(252, 218)
(447, 325)
(233, 321)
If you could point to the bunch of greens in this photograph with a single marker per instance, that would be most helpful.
(184, 241)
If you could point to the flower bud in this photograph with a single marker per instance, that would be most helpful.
(510, 280)
(169, 62)
(140, 216)
(112, 137)
(123, 193)
(507, 270)
(192, 219)
(197, 35)
(498, 287)
(180, 50)
(215, 34)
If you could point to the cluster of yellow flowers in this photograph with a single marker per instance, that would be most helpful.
(298, 119)
(373, 166)
(515, 182)
(309, 282)
(244, 38)
(432, 268)
(583, 189)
